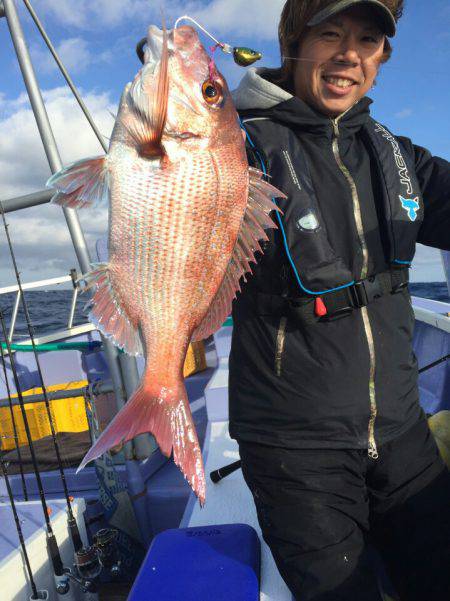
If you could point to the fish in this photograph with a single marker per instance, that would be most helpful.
(187, 216)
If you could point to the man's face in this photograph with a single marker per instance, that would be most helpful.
(339, 60)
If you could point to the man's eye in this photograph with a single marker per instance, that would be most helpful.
(371, 39)
(330, 34)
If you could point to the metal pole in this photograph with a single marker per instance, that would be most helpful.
(27, 200)
(65, 74)
(102, 388)
(446, 261)
(43, 123)
(72, 308)
(14, 316)
(112, 355)
(51, 150)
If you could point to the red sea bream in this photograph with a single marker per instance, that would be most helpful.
(185, 220)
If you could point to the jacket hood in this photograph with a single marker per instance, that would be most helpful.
(255, 92)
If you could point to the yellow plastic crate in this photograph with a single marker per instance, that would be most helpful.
(195, 359)
(69, 415)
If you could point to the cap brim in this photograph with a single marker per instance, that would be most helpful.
(386, 18)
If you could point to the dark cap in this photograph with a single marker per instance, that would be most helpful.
(385, 16)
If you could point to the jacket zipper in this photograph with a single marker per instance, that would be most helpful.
(372, 446)
(281, 339)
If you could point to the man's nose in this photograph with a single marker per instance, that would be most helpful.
(348, 52)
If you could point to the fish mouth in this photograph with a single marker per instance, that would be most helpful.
(181, 135)
(154, 46)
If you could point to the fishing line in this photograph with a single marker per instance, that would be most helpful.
(383, 66)
(4, 469)
(52, 544)
(73, 526)
(13, 420)
(242, 55)
(225, 47)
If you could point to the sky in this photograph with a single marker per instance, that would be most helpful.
(96, 40)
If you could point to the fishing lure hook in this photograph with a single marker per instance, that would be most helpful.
(242, 56)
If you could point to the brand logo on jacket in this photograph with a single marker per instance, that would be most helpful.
(411, 206)
(405, 180)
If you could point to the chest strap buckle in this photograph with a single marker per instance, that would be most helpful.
(364, 292)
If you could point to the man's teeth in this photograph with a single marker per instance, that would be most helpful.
(339, 82)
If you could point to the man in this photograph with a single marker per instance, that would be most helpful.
(323, 381)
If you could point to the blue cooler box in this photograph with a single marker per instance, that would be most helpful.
(206, 563)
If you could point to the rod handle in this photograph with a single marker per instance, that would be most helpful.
(218, 475)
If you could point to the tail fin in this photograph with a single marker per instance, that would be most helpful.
(168, 417)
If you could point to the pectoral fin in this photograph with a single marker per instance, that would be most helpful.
(81, 184)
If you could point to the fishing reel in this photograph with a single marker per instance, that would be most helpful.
(91, 562)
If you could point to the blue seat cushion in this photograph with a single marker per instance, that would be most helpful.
(206, 563)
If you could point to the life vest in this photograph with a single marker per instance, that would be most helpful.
(316, 266)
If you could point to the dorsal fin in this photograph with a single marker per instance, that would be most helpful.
(256, 220)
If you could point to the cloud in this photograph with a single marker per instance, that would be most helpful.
(41, 237)
(22, 160)
(404, 113)
(89, 15)
(258, 17)
(74, 53)
(242, 17)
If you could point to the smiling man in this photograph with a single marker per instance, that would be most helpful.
(324, 399)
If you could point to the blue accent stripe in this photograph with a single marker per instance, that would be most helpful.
(286, 247)
(402, 262)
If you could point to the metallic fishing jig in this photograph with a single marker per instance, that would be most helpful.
(244, 57)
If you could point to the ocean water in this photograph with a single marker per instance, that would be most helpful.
(49, 311)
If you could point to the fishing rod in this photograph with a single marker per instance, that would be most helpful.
(434, 364)
(35, 593)
(61, 579)
(72, 523)
(13, 420)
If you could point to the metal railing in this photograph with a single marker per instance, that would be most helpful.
(72, 278)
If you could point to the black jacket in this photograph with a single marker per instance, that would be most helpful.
(306, 384)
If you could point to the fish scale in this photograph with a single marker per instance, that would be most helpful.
(186, 215)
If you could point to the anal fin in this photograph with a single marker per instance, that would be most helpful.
(254, 223)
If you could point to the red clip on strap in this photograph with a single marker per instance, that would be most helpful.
(319, 309)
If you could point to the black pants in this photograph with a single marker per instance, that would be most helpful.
(319, 509)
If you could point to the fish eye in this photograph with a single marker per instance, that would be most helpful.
(212, 92)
